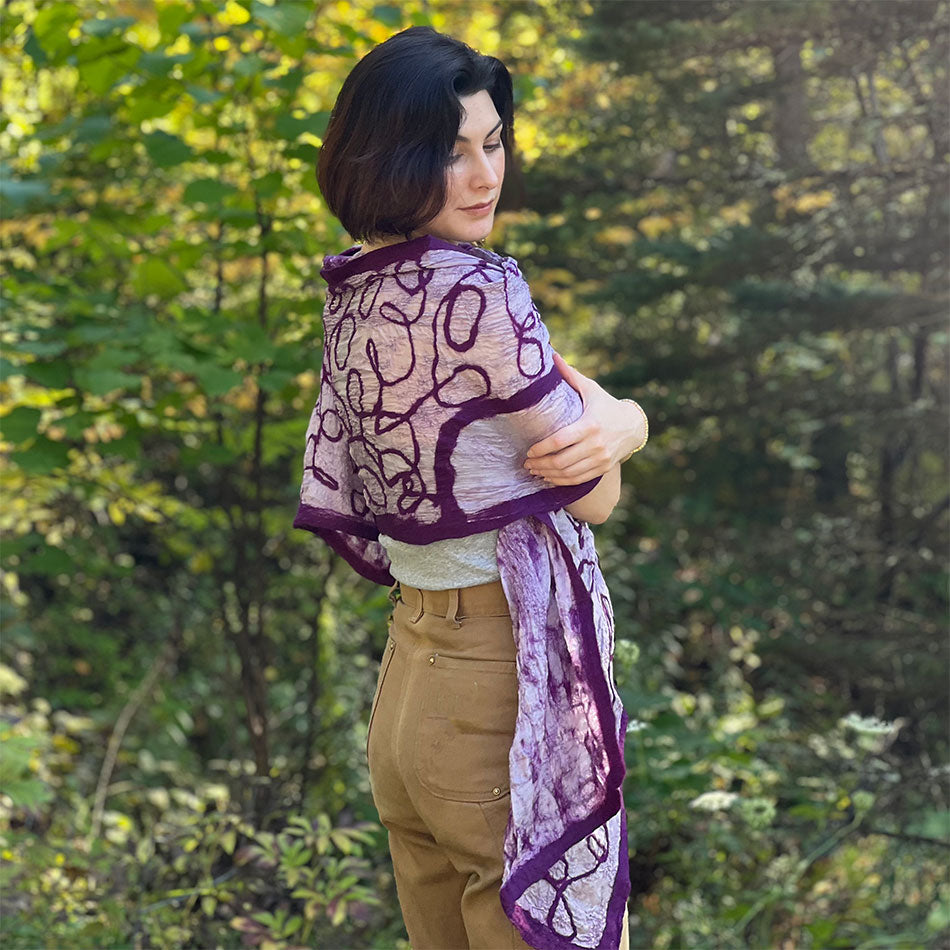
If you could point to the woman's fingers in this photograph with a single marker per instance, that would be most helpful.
(572, 434)
(558, 462)
(575, 479)
(572, 461)
(575, 474)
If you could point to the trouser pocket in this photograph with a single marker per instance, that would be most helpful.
(466, 726)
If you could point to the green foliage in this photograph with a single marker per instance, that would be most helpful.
(780, 830)
(175, 860)
(21, 745)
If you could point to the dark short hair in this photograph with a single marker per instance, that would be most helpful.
(382, 165)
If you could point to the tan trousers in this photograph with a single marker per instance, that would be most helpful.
(440, 729)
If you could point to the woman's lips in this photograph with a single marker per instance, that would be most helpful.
(479, 209)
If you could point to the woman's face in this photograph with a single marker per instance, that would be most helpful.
(474, 174)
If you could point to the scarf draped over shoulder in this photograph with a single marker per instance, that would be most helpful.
(437, 377)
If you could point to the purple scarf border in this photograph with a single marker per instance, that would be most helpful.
(543, 938)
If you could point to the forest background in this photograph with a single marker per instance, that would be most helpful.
(734, 212)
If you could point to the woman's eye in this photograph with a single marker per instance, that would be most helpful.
(488, 148)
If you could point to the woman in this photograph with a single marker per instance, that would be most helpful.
(449, 457)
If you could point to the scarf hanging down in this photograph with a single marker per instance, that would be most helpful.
(437, 377)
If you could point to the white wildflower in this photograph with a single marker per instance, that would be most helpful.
(713, 801)
(867, 725)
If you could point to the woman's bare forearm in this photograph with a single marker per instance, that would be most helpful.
(596, 506)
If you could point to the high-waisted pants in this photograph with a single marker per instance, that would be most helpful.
(440, 729)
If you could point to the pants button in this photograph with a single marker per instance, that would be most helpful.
(432, 658)
(496, 790)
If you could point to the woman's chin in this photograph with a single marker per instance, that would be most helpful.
(468, 231)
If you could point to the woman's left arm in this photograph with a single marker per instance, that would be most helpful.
(606, 433)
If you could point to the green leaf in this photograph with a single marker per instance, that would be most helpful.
(202, 95)
(288, 82)
(20, 545)
(821, 931)
(40, 347)
(111, 357)
(90, 333)
(50, 561)
(53, 375)
(289, 17)
(42, 457)
(20, 192)
(930, 823)
(148, 106)
(127, 446)
(161, 64)
(352, 34)
(268, 185)
(207, 190)
(239, 217)
(171, 16)
(17, 752)
(100, 382)
(306, 152)
(20, 424)
(274, 380)
(384, 13)
(216, 380)
(93, 128)
(74, 425)
(103, 72)
(252, 344)
(33, 49)
(167, 150)
(212, 454)
(155, 276)
(290, 127)
(9, 369)
(27, 792)
(340, 841)
(249, 65)
(939, 916)
(51, 28)
(106, 25)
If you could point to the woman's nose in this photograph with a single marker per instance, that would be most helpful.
(484, 171)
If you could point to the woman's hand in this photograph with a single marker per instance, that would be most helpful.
(607, 431)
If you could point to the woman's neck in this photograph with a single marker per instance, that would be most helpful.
(366, 248)
(375, 246)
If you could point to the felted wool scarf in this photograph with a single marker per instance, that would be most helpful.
(437, 377)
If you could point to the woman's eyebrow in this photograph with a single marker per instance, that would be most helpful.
(461, 138)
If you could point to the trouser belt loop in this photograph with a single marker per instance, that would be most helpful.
(453, 608)
(420, 607)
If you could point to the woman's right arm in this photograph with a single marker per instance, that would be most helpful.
(596, 506)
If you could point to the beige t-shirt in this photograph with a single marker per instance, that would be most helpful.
(439, 565)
